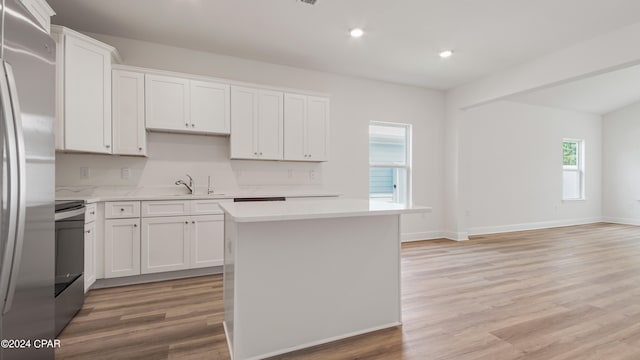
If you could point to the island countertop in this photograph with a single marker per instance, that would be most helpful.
(315, 209)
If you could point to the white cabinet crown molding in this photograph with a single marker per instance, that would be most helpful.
(206, 78)
(63, 30)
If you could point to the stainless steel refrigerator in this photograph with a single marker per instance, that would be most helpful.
(27, 107)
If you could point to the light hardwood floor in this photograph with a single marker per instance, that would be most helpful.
(566, 293)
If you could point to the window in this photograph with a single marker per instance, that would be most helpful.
(572, 169)
(390, 162)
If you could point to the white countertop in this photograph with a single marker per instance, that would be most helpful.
(315, 209)
(98, 194)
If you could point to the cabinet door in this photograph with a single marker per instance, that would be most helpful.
(165, 244)
(317, 128)
(122, 247)
(295, 114)
(89, 255)
(244, 113)
(129, 133)
(207, 240)
(210, 111)
(270, 124)
(167, 103)
(87, 97)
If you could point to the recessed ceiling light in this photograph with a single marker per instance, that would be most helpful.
(356, 33)
(446, 54)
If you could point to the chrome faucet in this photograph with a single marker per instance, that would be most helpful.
(189, 186)
(209, 188)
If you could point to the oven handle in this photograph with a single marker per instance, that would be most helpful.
(69, 214)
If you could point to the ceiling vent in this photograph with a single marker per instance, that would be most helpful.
(310, 2)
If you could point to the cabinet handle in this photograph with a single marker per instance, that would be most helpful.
(255, 153)
(260, 153)
(121, 209)
(88, 231)
(135, 225)
(92, 212)
(186, 124)
(193, 125)
(140, 148)
(193, 222)
(186, 222)
(107, 146)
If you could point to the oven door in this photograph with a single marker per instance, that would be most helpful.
(69, 258)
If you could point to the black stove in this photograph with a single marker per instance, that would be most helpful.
(67, 205)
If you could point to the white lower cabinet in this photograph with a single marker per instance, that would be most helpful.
(89, 255)
(162, 235)
(181, 242)
(165, 244)
(122, 247)
(207, 240)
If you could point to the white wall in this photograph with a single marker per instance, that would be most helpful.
(621, 156)
(604, 53)
(354, 102)
(513, 162)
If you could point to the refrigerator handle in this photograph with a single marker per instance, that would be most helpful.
(22, 181)
(9, 235)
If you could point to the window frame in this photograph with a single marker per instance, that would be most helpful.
(397, 197)
(579, 168)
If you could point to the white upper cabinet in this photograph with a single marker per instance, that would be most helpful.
(317, 125)
(256, 124)
(295, 116)
(129, 134)
(306, 127)
(181, 105)
(167, 103)
(83, 92)
(244, 109)
(270, 124)
(210, 107)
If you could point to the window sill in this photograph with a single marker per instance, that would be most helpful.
(571, 200)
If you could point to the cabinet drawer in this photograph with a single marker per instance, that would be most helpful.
(165, 208)
(205, 207)
(124, 209)
(90, 213)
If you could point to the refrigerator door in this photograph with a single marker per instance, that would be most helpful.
(29, 51)
(10, 191)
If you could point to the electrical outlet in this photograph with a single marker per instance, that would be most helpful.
(125, 173)
(84, 172)
(312, 174)
(289, 173)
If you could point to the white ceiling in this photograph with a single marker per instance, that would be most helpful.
(599, 94)
(401, 43)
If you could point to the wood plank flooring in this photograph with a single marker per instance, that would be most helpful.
(565, 293)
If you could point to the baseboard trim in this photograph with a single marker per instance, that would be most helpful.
(148, 278)
(622, 221)
(433, 235)
(484, 230)
(457, 236)
(421, 236)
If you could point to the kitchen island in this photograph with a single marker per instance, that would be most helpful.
(307, 272)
